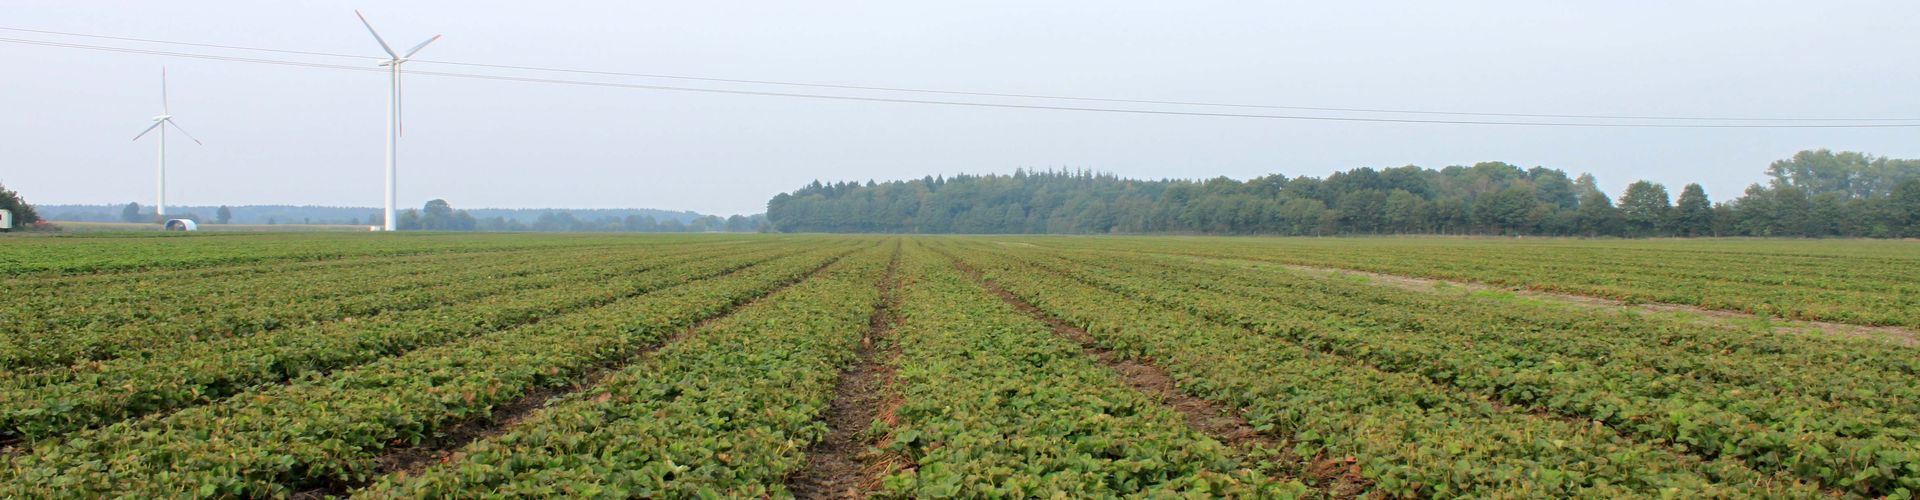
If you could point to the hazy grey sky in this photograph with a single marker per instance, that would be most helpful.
(277, 134)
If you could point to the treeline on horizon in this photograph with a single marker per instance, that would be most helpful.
(308, 214)
(1816, 193)
(438, 215)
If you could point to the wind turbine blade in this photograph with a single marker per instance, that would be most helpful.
(164, 108)
(376, 34)
(150, 128)
(176, 126)
(422, 45)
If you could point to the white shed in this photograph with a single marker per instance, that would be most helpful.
(6, 220)
(182, 225)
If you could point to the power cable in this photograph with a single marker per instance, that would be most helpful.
(975, 93)
(948, 103)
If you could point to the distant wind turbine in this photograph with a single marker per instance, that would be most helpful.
(160, 122)
(393, 112)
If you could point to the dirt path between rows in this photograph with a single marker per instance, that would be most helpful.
(1716, 317)
(1341, 477)
(838, 466)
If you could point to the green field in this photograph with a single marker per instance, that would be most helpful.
(424, 365)
(94, 227)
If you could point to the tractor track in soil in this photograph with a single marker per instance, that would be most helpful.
(841, 465)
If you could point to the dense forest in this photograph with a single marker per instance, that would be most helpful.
(1814, 194)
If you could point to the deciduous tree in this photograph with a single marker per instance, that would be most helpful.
(1647, 208)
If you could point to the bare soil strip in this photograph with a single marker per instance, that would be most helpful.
(881, 463)
(416, 459)
(1339, 475)
(840, 466)
(1890, 334)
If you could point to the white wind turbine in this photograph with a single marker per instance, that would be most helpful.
(160, 122)
(393, 112)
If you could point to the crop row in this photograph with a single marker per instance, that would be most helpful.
(1834, 370)
(149, 318)
(994, 404)
(1413, 437)
(1640, 379)
(331, 430)
(120, 286)
(723, 412)
(1853, 273)
(49, 403)
(96, 254)
(40, 284)
(1870, 289)
(51, 301)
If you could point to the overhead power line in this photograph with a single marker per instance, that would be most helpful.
(1177, 103)
(190, 44)
(987, 94)
(914, 101)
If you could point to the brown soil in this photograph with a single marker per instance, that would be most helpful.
(1890, 334)
(1341, 476)
(837, 466)
(881, 463)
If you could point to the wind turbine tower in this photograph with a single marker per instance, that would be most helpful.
(161, 122)
(393, 111)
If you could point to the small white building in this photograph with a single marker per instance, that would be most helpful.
(6, 220)
(182, 225)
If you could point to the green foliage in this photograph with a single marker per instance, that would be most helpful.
(132, 213)
(1486, 198)
(996, 405)
(303, 362)
(1693, 214)
(1853, 175)
(1646, 209)
(23, 213)
(1808, 414)
(287, 438)
(1904, 208)
(437, 215)
(152, 375)
(1859, 282)
(720, 414)
(1505, 212)
(1395, 200)
(1270, 361)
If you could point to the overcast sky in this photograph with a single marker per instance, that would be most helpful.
(298, 135)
